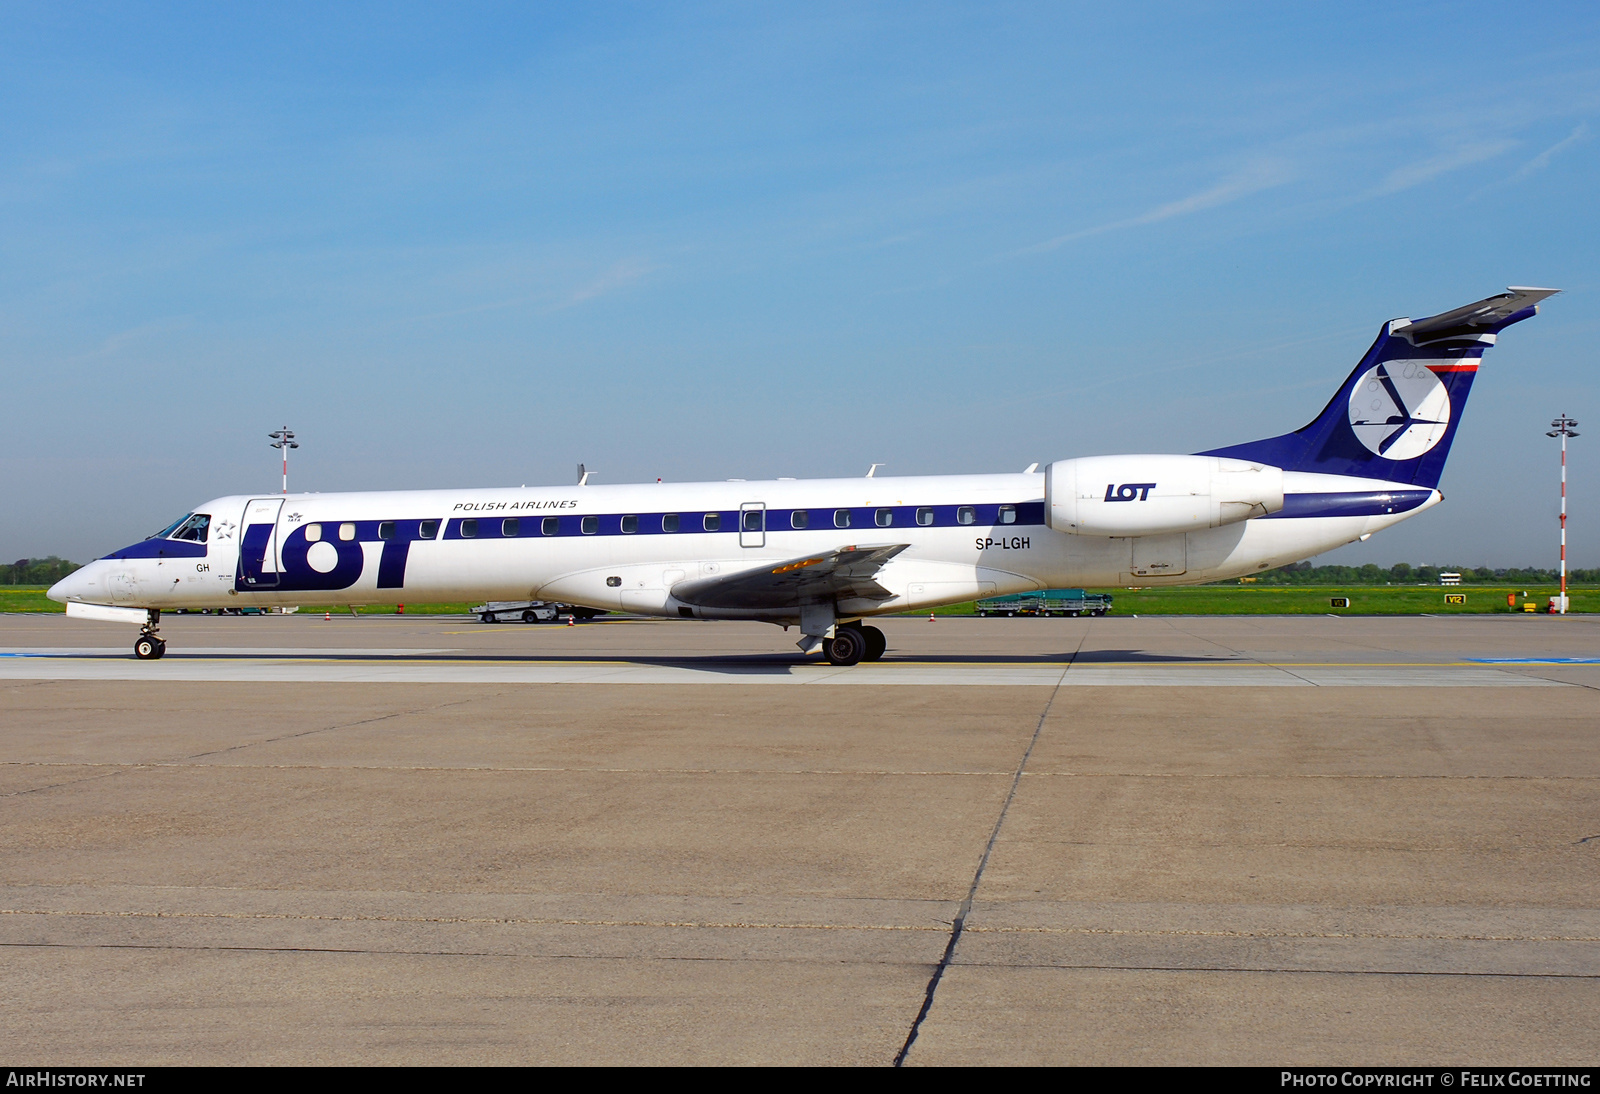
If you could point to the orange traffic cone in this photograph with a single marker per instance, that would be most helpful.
(931, 619)
(327, 617)
(570, 622)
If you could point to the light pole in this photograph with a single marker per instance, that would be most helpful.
(284, 439)
(1563, 427)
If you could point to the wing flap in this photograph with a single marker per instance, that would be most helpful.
(831, 575)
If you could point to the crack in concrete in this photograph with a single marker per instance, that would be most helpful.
(957, 925)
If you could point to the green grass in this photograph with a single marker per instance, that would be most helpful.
(27, 598)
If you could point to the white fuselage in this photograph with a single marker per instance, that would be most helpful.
(608, 549)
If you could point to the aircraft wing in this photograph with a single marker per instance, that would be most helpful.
(1485, 315)
(846, 573)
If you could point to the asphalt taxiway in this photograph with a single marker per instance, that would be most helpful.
(1166, 840)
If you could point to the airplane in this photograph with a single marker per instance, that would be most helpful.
(825, 555)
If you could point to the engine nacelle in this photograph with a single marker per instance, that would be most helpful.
(1157, 495)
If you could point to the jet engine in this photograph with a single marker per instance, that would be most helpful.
(1157, 495)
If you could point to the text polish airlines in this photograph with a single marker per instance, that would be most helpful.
(825, 554)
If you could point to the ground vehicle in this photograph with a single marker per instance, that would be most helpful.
(1072, 602)
(530, 611)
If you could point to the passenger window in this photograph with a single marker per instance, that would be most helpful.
(429, 529)
(630, 525)
(590, 525)
(841, 518)
(313, 533)
(884, 517)
(347, 532)
(510, 526)
(965, 515)
(669, 522)
(549, 526)
(386, 530)
(469, 529)
(925, 516)
(799, 518)
(1008, 514)
(752, 520)
(713, 522)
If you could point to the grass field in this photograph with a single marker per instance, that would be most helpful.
(1193, 600)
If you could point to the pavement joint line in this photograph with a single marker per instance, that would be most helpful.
(1281, 971)
(529, 921)
(977, 877)
(502, 954)
(716, 925)
(865, 772)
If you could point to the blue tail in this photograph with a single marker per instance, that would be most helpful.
(1396, 416)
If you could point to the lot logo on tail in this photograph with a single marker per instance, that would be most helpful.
(1399, 409)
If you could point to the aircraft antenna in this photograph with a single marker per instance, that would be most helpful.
(1563, 427)
(873, 470)
(284, 439)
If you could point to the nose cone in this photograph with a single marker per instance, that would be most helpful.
(81, 584)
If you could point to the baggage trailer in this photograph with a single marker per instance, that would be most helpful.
(530, 611)
(1069, 602)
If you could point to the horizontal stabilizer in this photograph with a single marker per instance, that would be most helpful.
(846, 573)
(1484, 317)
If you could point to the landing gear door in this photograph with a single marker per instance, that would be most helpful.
(753, 524)
(258, 545)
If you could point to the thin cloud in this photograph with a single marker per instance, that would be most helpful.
(1542, 160)
(1263, 176)
(620, 276)
(1415, 174)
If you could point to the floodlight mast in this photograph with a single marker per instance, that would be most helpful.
(284, 439)
(1563, 427)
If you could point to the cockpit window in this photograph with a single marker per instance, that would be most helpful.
(194, 529)
(171, 528)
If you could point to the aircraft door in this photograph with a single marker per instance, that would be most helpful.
(258, 544)
(753, 524)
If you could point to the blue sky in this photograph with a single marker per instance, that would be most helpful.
(475, 245)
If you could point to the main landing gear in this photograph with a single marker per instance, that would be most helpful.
(853, 643)
(149, 646)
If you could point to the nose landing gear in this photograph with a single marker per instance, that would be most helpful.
(149, 646)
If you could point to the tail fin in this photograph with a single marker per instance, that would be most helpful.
(1396, 415)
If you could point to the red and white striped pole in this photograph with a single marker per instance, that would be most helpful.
(284, 439)
(1563, 427)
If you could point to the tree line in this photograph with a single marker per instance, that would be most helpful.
(36, 571)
